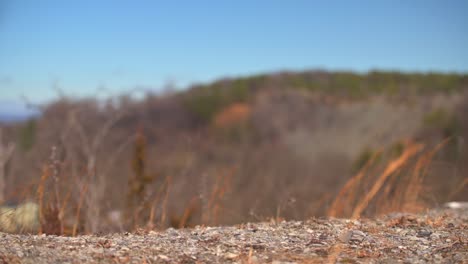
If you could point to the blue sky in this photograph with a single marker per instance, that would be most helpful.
(79, 46)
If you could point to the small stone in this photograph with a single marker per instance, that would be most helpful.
(424, 233)
(253, 259)
(352, 236)
(230, 255)
(346, 237)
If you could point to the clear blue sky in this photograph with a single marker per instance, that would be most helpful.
(79, 46)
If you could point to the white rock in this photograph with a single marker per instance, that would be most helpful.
(456, 205)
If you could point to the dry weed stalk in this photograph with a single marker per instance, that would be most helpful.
(54, 164)
(414, 188)
(61, 214)
(220, 188)
(138, 197)
(51, 209)
(184, 219)
(162, 193)
(460, 187)
(150, 224)
(96, 179)
(83, 191)
(319, 204)
(164, 203)
(6, 151)
(40, 196)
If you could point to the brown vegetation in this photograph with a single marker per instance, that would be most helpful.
(248, 149)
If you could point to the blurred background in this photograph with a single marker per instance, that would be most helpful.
(117, 115)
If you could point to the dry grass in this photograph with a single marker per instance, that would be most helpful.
(460, 188)
(215, 202)
(78, 209)
(397, 185)
(348, 191)
(392, 167)
(40, 195)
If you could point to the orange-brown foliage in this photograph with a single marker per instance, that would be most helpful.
(233, 114)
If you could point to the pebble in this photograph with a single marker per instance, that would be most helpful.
(424, 233)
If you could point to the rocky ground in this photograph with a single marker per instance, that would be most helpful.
(437, 236)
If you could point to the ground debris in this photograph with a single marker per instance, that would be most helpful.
(437, 236)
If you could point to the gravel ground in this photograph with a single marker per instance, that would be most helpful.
(438, 236)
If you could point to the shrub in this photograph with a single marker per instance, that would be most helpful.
(27, 135)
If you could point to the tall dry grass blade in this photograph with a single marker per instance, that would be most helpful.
(320, 203)
(6, 152)
(389, 199)
(188, 212)
(344, 196)
(220, 188)
(61, 211)
(40, 196)
(78, 209)
(394, 165)
(150, 224)
(54, 166)
(415, 185)
(164, 203)
(460, 187)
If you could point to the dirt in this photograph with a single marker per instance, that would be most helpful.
(436, 236)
